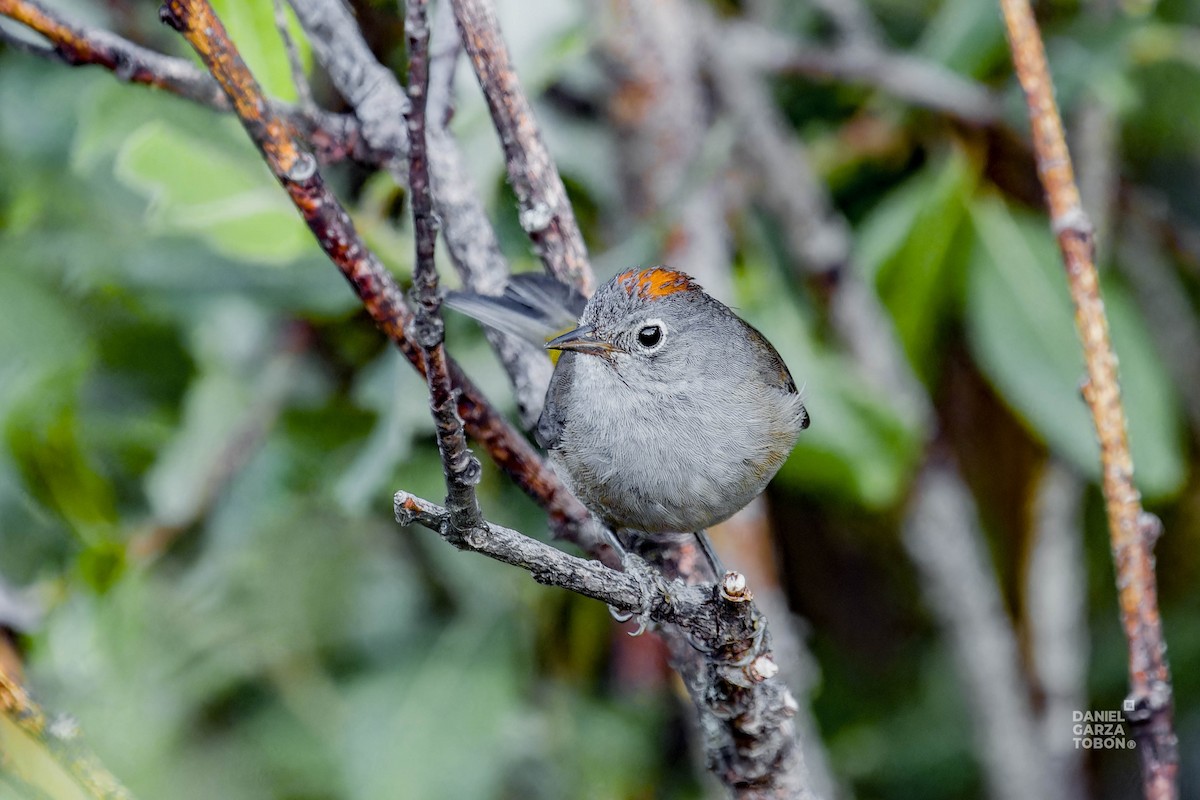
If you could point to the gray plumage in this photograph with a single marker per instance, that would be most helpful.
(674, 437)
(666, 411)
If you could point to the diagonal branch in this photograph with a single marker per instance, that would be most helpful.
(546, 213)
(332, 136)
(458, 463)
(1132, 531)
(297, 173)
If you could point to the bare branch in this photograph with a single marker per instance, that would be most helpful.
(546, 214)
(910, 78)
(62, 740)
(382, 298)
(1132, 531)
(1056, 611)
(943, 539)
(458, 463)
(299, 79)
(332, 136)
(718, 638)
(371, 90)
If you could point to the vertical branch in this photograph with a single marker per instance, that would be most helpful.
(459, 465)
(546, 213)
(470, 239)
(942, 536)
(1132, 531)
(1056, 614)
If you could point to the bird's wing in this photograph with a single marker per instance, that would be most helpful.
(548, 433)
(534, 306)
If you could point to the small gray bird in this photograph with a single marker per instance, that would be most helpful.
(666, 411)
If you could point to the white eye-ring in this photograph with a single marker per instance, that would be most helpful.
(651, 334)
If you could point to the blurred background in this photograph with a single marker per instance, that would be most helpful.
(202, 429)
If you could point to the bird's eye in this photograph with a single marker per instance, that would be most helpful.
(650, 335)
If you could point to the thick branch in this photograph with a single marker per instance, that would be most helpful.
(332, 136)
(546, 213)
(1132, 531)
(458, 463)
(382, 298)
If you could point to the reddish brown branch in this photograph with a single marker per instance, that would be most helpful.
(1132, 531)
(546, 213)
(378, 291)
(333, 137)
(459, 465)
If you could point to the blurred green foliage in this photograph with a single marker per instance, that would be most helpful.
(201, 430)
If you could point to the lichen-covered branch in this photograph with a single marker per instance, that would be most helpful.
(1131, 530)
(333, 137)
(458, 463)
(329, 222)
(545, 213)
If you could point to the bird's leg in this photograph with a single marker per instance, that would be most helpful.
(706, 547)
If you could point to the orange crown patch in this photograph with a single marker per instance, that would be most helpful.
(654, 283)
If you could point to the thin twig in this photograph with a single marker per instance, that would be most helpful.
(382, 298)
(303, 91)
(458, 463)
(1132, 531)
(748, 727)
(546, 213)
(62, 740)
(333, 136)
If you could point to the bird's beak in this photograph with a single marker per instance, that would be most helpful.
(581, 340)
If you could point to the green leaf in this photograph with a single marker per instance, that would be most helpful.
(906, 246)
(231, 200)
(46, 350)
(1021, 330)
(251, 26)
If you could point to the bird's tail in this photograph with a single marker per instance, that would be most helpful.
(534, 306)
